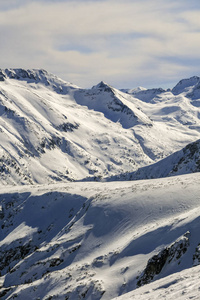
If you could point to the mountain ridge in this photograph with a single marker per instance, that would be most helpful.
(184, 161)
(66, 233)
(44, 118)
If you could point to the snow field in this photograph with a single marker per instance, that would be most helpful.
(95, 238)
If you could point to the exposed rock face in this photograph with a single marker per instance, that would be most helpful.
(22, 74)
(2, 75)
(172, 253)
(10, 255)
(190, 159)
(196, 256)
(67, 127)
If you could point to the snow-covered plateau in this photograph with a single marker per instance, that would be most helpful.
(99, 190)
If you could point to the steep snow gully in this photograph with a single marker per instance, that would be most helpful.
(99, 190)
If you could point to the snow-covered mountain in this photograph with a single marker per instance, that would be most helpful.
(184, 161)
(52, 130)
(97, 240)
(47, 136)
(144, 94)
(65, 238)
(187, 86)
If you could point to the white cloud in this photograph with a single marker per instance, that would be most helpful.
(127, 42)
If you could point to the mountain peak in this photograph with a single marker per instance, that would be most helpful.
(103, 85)
(19, 73)
(185, 85)
(38, 76)
(146, 95)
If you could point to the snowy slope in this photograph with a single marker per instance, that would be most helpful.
(42, 130)
(96, 240)
(113, 104)
(189, 87)
(68, 240)
(146, 95)
(186, 85)
(183, 285)
(185, 161)
(51, 130)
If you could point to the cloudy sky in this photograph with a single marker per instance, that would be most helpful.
(126, 43)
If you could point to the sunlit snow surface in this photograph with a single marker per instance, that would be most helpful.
(51, 130)
(65, 236)
(183, 285)
(95, 239)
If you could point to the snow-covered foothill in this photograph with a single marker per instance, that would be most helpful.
(95, 239)
(185, 161)
(182, 285)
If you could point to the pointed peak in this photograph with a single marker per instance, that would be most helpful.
(185, 84)
(102, 85)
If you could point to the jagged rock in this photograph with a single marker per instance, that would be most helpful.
(4, 291)
(7, 256)
(184, 161)
(2, 75)
(196, 256)
(1, 212)
(54, 262)
(67, 127)
(167, 255)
